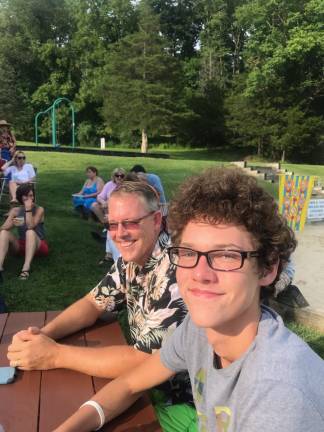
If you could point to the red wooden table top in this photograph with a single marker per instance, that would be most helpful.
(39, 401)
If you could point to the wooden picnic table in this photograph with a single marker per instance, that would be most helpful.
(38, 401)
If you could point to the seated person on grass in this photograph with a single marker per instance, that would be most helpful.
(29, 220)
(18, 172)
(100, 209)
(83, 200)
(100, 205)
(153, 179)
(143, 280)
(248, 372)
(7, 142)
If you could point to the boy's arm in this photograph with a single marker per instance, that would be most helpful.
(118, 395)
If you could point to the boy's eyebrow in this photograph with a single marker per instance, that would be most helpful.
(216, 246)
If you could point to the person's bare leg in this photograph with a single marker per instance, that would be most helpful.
(12, 190)
(32, 244)
(97, 210)
(6, 239)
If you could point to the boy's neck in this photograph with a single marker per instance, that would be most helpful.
(230, 343)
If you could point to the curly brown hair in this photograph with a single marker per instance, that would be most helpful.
(230, 196)
(23, 190)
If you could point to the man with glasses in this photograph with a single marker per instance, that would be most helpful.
(248, 372)
(142, 280)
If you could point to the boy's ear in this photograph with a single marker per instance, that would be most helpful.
(158, 219)
(268, 276)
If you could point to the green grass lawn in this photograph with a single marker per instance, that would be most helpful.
(314, 338)
(71, 269)
(316, 170)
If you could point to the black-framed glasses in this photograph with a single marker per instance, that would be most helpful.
(219, 259)
(21, 157)
(120, 175)
(131, 224)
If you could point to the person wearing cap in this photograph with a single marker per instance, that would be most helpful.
(7, 141)
(18, 172)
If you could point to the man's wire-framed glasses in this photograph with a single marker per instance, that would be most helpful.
(219, 259)
(131, 224)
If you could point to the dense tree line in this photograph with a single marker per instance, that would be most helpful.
(198, 72)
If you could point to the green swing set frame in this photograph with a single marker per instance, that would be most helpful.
(52, 111)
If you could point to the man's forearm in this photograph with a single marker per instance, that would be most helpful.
(106, 362)
(79, 315)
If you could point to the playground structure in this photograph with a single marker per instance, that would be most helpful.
(52, 111)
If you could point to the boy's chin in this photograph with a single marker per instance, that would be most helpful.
(203, 320)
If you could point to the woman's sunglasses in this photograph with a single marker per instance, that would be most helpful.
(21, 157)
(120, 175)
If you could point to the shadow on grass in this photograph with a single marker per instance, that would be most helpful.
(221, 155)
(314, 338)
(317, 345)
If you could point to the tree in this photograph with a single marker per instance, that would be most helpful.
(98, 25)
(141, 87)
(283, 57)
(222, 41)
(180, 23)
(26, 29)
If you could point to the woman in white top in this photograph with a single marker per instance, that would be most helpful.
(18, 172)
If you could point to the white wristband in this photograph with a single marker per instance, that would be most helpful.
(99, 410)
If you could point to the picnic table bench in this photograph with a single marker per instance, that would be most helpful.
(38, 401)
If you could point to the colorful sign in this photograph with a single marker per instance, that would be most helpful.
(294, 195)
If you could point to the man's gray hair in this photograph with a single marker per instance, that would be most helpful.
(142, 189)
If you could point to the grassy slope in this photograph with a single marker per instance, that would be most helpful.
(316, 170)
(71, 269)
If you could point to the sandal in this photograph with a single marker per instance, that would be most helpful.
(24, 275)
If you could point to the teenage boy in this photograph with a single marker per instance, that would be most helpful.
(248, 372)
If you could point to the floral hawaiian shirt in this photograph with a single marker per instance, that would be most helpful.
(154, 305)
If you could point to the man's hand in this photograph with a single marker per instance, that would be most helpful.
(31, 349)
